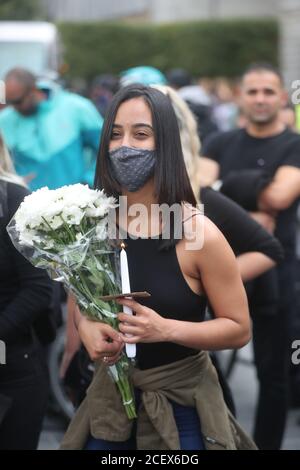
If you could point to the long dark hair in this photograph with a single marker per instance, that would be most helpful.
(171, 181)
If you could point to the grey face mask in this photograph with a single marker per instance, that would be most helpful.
(132, 167)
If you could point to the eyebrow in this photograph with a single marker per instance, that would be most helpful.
(139, 124)
(264, 89)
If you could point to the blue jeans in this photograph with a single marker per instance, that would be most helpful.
(188, 425)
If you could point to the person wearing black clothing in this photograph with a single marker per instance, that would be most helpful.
(245, 160)
(25, 294)
(260, 168)
(243, 233)
(245, 236)
(256, 250)
(141, 123)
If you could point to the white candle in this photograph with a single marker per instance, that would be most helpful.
(130, 348)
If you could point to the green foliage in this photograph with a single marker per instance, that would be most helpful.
(210, 48)
(19, 9)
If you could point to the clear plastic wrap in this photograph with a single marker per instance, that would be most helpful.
(70, 241)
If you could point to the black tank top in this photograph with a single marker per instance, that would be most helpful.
(159, 273)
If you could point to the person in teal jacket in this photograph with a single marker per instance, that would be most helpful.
(52, 134)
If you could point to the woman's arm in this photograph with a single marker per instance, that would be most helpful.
(222, 283)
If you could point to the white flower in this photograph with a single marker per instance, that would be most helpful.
(72, 215)
(28, 238)
(55, 222)
(101, 229)
(49, 210)
(49, 244)
(77, 194)
(79, 236)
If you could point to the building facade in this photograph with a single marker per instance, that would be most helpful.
(163, 11)
(157, 10)
(290, 41)
(94, 10)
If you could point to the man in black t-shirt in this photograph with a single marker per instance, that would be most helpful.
(260, 169)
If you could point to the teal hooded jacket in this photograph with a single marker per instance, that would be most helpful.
(58, 144)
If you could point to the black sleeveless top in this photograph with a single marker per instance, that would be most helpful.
(159, 273)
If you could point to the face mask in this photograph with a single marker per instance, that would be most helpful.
(132, 167)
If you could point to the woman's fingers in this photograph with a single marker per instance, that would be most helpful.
(100, 339)
(111, 360)
(129, 329)
(132, 339)
(129, 319)
(135, 306)
(107, 332)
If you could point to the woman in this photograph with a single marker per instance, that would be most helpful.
(25, 294)
(141, 158)
(256, 250)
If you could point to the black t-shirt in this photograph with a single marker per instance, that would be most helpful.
(242, 232)
(237, 150)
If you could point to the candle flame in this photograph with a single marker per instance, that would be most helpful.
(123, 245)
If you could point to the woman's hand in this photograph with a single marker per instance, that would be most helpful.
(101, 341)
(144, 326)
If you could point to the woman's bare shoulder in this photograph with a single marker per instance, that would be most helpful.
(199, 230)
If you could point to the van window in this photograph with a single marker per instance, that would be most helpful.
(14, 54)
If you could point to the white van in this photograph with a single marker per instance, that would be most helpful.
(29, 44)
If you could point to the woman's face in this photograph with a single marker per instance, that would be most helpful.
(133, 126)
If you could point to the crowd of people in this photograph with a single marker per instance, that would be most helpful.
(232, 147)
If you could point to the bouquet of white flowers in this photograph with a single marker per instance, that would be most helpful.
(65, 231)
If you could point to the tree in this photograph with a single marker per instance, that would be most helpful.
(20, 9)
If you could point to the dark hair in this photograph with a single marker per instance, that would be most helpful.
(23, 76)
(179, 78)
(107, 81)
(262, 67)
(171, 181)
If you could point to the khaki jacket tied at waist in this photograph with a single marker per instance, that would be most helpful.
(191, 381)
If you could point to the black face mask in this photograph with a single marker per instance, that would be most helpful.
(132, 167)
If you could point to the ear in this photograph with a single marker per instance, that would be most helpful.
(238, 94)
(284, 98)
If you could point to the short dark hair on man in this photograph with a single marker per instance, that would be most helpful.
(22, 76)
(262, 67)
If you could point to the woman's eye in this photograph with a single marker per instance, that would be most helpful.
(115, 135)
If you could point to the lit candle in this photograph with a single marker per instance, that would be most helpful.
(130, 348)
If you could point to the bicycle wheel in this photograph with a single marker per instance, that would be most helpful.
(56, 384)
